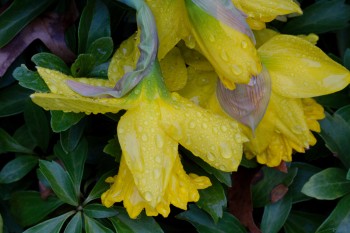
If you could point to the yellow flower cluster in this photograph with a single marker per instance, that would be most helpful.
(210, 56)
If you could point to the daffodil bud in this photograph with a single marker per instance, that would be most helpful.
(225, 38)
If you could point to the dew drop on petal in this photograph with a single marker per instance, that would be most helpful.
(224, 55)
(210, 157)
(159, 141)
(192, 125)
(156, 173)
(244, 44)
(225, 151)
(144, 137)
(204, 125)
(223, 128)
(211, 38)
(148, 196)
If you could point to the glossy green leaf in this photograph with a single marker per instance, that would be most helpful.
(60, 181)
(123, 223)
(50, 61)
(17, 16)
(204, 224)
(30, 79)
(23, 137)
(100, 70)
(9, 144)
(335, 131)
(38, 125)
(329, 184)
(302, 222)
(305, 171)
(347, 58)
(74, 162)
(75, 225)
(348, 175)
(29, 208)
(275, 215)
(335, 100)
(339, 219)
(17, 168)
(96, 210)
(61, 121)
(13, 100)
(94, 23)
(1, 224)
(101, 49)
(70, 138)
(52, 225)
(261, 191)
(113, 149)
(213, 200)
(83, 65)
(320, 17)
(344, 113)
(100, 187)
(93, 226)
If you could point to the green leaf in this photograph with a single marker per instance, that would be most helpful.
(305, 171)
(17, 16)
(75, 225)
(61, 121)
(101, 49)
(30, 79)
(335, 100)
(74, 162)
(100, 187)
(320, 17)
(17, 168)
(9, 144)
(60, 181)
(113, 149)
(328, 184)
(213, 200)
(276, 214)
(13, 100)
(93, 226)
(123, 223)
(261, 191)
(23, 137)
(1, 224)
(339, 220)
(348, 175)
(100, 70)
(94, 23)
(71, 137)
(204, 224)
(52, 225)
(335, 131)
(38, 126)
(344, 113)
(99, 211)
(83, 65)
(302, 222)
(29, 208)
(50, 61)
(347, 58)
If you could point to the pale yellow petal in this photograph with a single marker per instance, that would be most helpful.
(194, 59)
(262, 36)
(215, 139)
(298, 69)
(149, 153)
(174, 70)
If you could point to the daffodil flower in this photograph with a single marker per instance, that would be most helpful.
(261, 11)
(216, 28)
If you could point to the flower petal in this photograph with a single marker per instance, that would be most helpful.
(298, 69)
(215, 139)
(220, 44)
(149, 153)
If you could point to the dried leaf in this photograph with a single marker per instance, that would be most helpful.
(240, 198)
(49, 28)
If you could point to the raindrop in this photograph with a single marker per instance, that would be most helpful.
(159, 141)
(223, 128)
(244, 44)
(211, 37)
(204, 125)
(225, 151)
(192, 125)
(210, 157)
(144, 137)
(224, 55)
(236, 69)
(148, 196)
(156, 173)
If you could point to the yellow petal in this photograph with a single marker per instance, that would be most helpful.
(174, 70)
(313, 112)
(262, 36)
(266, 11)
(172, 23)
(220, 44)
(194, 58)
(299, 69)
(215, 139)
(149, 153)
(182, 188)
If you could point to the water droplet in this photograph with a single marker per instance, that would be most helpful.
(159, 141)
(140, 128)
(158, 159)
(222, 168)
(244, 44)
(144, 137)
(204, 125)
(121, 130)
(238, 138)
(192, 125)
(236, 69)
(211, 37)
(156, 173)
(225, 151)
(148, 196)
(224, 55)
(210, 157)
(223, 128)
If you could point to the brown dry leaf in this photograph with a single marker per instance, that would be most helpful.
(49, 28)
(240, 197)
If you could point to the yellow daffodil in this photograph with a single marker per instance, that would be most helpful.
(261, 11)
(149, 133)
(216, 28)
(298, 70)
